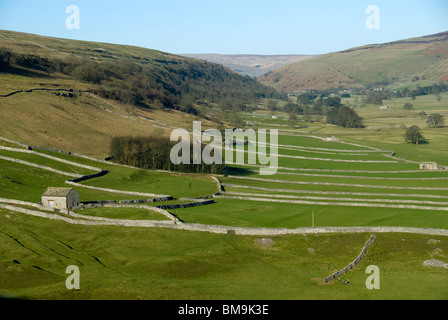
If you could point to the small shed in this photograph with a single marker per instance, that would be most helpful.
(331, 139)
(60, 198)
(429, 166)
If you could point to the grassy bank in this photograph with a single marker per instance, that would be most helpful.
(133, 263)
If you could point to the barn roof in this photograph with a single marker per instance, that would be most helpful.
(57, 192)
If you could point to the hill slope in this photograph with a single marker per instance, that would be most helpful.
(396, 64)
(69, 92)
(127, 73)
(251, 64)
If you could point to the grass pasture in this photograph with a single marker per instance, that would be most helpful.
(348, 185)
(133, 263)
(123, 213)
(326, 183)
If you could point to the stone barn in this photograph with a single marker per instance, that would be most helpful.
(331, 139)
(60, 198)
(429, 166)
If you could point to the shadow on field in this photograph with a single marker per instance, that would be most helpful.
(25, 72)
(234, 171)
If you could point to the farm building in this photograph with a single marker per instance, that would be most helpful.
(331, 139)
(429, 166)
(60, 198)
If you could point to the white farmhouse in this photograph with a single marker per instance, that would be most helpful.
(60, 198)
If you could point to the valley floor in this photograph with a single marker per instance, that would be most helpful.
(257, 231)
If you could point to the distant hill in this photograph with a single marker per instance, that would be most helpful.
(422, 60)
(251, 64)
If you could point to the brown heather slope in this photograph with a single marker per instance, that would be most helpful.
(84, 123)
(397, 64)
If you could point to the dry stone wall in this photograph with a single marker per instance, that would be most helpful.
(145, 200)
(31, 164)
(335, 170)
(75, 164)
(327, 159)
(336, 192)
(172, 218)
(186, 205)
(92, 176)
(70, 91)
(220, 229)
(89, 221)
(219, 184)
(338, 184)
(132, 193)
(332, 199)
(327, 203)
(352, 264)
(14, 142)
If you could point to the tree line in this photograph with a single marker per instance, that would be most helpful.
(376, 94)
(153, 152)
(309, 105)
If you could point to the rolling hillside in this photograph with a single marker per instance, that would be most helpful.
(251, 64)
(142, 251)
(396, 64)
(61, 93)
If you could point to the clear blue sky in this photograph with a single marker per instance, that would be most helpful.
(229, 26)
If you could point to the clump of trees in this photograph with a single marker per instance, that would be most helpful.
(341, 115)
(374, 98)
(345, 117)
(408, 106)
(423, 115)
(435, 88)
(435, 120)
(414, 135)
(313, 106)
(153, 152)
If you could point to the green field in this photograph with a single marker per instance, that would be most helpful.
(321, 184)
(123, 213)
(133, 263)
